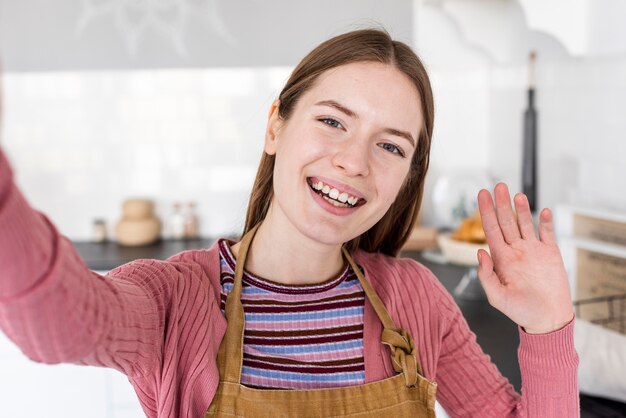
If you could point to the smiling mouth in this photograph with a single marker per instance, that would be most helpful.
(334, 196)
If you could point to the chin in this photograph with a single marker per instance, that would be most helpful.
(327, 235)
(330, 234)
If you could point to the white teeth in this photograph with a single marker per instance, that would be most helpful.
(335, 203)
(337, 197)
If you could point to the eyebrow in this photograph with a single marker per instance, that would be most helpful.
(345, 110)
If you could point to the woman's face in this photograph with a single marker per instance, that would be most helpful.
(354, 131)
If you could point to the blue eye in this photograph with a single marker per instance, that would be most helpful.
(392, 148)
(331, 122)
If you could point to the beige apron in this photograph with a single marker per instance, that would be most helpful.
(407, 394)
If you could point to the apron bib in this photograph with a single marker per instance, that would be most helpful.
(407, 394)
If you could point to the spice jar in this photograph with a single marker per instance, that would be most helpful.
(177, 222)
(99, 230)
(191, 221)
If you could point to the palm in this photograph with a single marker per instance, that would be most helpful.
(524, 277)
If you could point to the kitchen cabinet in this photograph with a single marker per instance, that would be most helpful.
(61, 390)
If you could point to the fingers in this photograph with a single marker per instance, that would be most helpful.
(506, 216)
(503, 225)
(524, 216)
(488, 278)
(546, 227)
(490, 220)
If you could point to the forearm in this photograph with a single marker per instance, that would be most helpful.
(469, 384)
(26, 240)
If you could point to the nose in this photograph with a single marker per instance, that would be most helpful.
(352, 156)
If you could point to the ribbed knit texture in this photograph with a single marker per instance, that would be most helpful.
(299, 336)
(160, 323)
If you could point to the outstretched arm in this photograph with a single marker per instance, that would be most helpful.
(57, 310)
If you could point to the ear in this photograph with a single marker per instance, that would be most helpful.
(274, 123)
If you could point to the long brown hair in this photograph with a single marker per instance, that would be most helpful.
(390, 233)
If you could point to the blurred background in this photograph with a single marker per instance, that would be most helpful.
(166, 100)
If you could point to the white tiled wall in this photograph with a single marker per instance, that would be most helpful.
(80, 143)
(582, 131)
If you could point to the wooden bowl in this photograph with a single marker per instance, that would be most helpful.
(137, 232)
(459, 252)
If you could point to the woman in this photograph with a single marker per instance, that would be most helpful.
(335, 324)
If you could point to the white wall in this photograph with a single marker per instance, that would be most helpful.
(80, 143)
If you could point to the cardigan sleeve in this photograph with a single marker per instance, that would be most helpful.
(470, 385)
(57, 310)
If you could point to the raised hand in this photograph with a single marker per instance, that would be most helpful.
(524, 277)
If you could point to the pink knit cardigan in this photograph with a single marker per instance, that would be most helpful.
(159, 322)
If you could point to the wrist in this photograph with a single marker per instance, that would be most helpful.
(546, 329)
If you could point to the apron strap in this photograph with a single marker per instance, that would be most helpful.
(233, 338)
(403, 351)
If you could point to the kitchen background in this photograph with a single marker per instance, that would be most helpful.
(167, 99)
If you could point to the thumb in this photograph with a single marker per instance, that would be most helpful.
(488, 278)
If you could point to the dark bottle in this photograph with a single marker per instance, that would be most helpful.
(529, 162)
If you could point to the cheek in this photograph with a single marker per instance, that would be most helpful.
(392, 180)
(292, 157)
(296, 151)
(390, 186)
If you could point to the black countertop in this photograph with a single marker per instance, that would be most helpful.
(108, 255)
(497, 335)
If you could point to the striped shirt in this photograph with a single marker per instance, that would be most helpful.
(299, 336)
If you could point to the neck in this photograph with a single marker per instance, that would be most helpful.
(284, 255)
